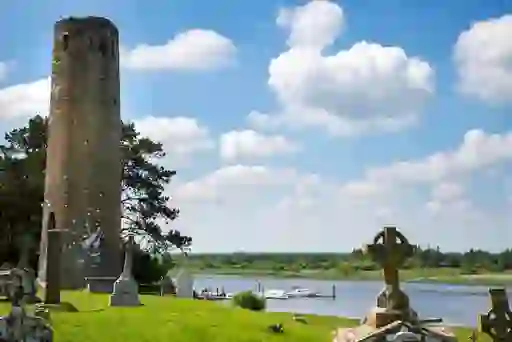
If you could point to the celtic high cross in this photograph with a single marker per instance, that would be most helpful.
(390, 249)
(497, 322)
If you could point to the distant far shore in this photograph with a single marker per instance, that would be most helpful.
(423, 275)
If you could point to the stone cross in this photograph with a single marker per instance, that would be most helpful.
(53, 267)
(128, 258)
(390, 249)
(390, 253)
(497, 322)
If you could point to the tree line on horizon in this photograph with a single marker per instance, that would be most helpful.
(472, 261)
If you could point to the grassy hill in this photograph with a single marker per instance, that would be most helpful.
(177, 320)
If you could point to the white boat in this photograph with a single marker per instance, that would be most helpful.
(298, 292)
(275, 294)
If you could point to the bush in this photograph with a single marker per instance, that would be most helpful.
(250, 301)
(148, 268)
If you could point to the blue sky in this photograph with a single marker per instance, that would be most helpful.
(306, 126)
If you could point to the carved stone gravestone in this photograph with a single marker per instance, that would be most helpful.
(393, 319)
(184, 280)
(17, 326)
(390, 249)
(71, 270)
(97, 263)
(497, 322)
(126, 289)
(52, 270)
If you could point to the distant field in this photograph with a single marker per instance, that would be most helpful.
(434, 275)
(506, 276)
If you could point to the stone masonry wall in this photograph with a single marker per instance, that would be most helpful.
(83, 170)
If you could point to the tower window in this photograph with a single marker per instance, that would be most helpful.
(102, 48)
(65, 41)
(113, 48)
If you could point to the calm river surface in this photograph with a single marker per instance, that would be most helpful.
(456, 304)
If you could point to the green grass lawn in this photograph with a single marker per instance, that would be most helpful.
(171, 319)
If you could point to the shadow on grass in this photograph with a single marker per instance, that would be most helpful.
(60, 307)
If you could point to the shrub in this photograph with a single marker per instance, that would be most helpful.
(148, 268)
(250, 301)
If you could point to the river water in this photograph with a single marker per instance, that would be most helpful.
(456, 304)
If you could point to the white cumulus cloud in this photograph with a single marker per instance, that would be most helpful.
(25, 100)
(191, 50)
(447, 191)
(368, 87)
(251, 144)
(238, 178)
(447, 196)
(305, 27)
(483, 57)
(478, 151)
(181, 137)
(262, 208)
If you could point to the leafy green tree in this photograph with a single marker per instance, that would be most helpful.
(22, 162)
(147, 268)
(144, 201)
(22, 166)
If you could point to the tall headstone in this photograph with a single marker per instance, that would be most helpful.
(84, 127)
(126, 289)
(52, 271)
(184, 280)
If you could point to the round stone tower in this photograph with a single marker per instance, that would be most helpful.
(83, 166)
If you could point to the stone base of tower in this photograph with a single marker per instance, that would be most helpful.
(77, 273)
(100, 276)
(72, 270)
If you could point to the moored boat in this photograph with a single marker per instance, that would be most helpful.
(275, 294)
(299, 292)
